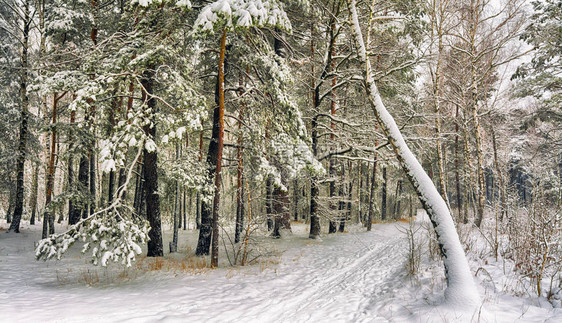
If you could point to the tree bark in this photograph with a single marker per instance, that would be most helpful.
(296, 199)
(198, 197)
(383, 199)
(269, 201)
(397, 199)
(281, 213)
(22, 142)
(216, 200)
(73, 211)
(372, 193)
(314, 190)
(457, 166)
(11, 203)
(501, 183)
(49, 214)
(437, 26)
(150, 170)
(205, 232)
(240, 171)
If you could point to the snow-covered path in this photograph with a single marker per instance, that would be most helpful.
(338, 279)
(351, 277)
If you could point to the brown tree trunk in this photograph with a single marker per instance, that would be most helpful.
(205, 232)
(216, 200)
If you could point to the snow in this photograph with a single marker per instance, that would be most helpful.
(461, 291)
(233, 14)
(351, 277)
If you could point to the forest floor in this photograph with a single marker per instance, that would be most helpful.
(351, 277)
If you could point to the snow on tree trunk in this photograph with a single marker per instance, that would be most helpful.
(461, 289)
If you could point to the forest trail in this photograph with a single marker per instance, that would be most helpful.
(351, 277)
(343, 278)
(340, 279)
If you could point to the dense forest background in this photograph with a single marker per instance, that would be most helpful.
(234, 118)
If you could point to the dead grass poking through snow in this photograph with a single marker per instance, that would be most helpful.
(187, 265)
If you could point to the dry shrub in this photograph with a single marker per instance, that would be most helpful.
(189, 264)
(91, 278)
(268, 263)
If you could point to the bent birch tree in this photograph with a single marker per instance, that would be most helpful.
(461, 289)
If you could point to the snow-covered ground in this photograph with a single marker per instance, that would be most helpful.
(351, 277)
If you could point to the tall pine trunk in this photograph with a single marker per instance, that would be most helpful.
(73, 211)
(49, 213)
(457, 166)
(383, 197)
(34, 193)
(372, 193)
(216, 199)
(198, 197)
(150, 170)
(24, 111)
(239, 176)
(314, 190)
(207, 212)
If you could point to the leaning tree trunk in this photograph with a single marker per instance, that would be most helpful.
(20, 165)
(461, 288)
(155, 247)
